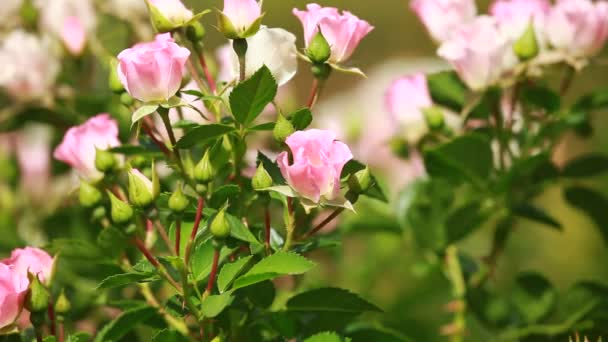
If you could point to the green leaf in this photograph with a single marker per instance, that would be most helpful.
(533, 296)
(134, 150)
(376, 334)
(468, 157)
(447, 89)
(300, 119)
(126, 322)
(202, 259)
(271, 167)
(142, 112)
(276, 265)
(124, 279)
(203, 133)
(229, 272)
(325, 337)
(215, 304)
(486, 104)
(239, 231)
(79, 337)
(330, 299)
(50, 339)
(596, 100)
(464, 220)
(536, 214)
(592, 203)
(186, 230)
(167, 335)
(374, 191)
(249, 98)
(77, 249)
(222, 194)
(541, 97)
(586, 166)
(267, 126)
(112, 241)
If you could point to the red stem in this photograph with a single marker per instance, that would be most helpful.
(267, 226)
(51, 314)
(163, 234)
(313, 93)
(210, 81)
(324, 223)
(212, 275)
(198, 217)
(146, 127)
(178, 235)
(142, 248)
(61, 336)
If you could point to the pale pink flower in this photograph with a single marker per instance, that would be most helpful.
(153, 71)
(442, 17)
(32, 260)
(406, 98)
(242, 13)
(343, 31)
(318, 159)
(13, 288)
(172, 10)
(79, 144)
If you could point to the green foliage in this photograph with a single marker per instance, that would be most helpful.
(276, 265)
(249, 98)
(124, 323)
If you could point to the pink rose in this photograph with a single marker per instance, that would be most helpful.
(479, 52)
(79, 144)
(405, 99)
(32, 260)
(153, 71)
(578, 27)
(442, 17)
(73, 35)
(514, 16)
(13, 288)
(343, 31)
(173, 10)
(33, 151)
(242, 13)
(318, 160)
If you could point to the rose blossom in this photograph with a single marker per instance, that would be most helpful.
(32, 260)
(242, 13)
(13, 288)
(405, 99)
(29, 67)
(318, 160)
(514, 16)
(70, 20)
(343, 31)
(79, 144)
(578, 27)
(479, 52)
(153, 71)
(442, 17)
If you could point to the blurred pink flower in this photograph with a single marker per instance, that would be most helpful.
(79, 144)
(13, 288)
(343, 31)
(479, 52)
(318, 160)
(442, 17)
(32, 260)
(578, 27)
(70, 20)
(33, 149)
(405, 99)
(153, 71)
(73, 35)
(514, 16)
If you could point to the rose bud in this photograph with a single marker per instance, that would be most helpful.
(32, 260)
(153, 71)
(143, 191)
(318, 160)
(240, 18)
(121, 212)
(13, 289)
(343, 31)
(167, 15)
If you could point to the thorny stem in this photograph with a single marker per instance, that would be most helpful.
(142, 248)
(195, 227)
(320, 226)
(208, 76)
(146, 127)
(178, 158)
(213, 274)
(162, 232)
(289, 225)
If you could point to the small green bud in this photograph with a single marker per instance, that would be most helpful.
(98, 214)
(126, 99)
(105, 160)
(195, 31)
(142, 191)
(261, 179)
(138, 162)
(178, 202)
(318, 49)
(240, 47)
(37, 299)
(321, 71)
(220, 227)
(121, 212)
(526, 47)
(88, 195)
(360, 181)
(62, 305)
(205, 171)
(201, 189)
(434, 117)
(113, 80)
(282, 129)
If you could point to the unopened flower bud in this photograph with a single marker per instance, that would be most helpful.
(105, 160)
(195, 31)
(220, 227)
(121, 212)
(261, 179)
(126, 99)
(318, 49)
(240, 47)
(526, 47)
(142, 191)
(282, 129)
(178, 202)
(360, 181)
(205, 171)
(113, 80)
(62, 305)
(168, 15)
(89, 195)
(434, 117)
(37, 299)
